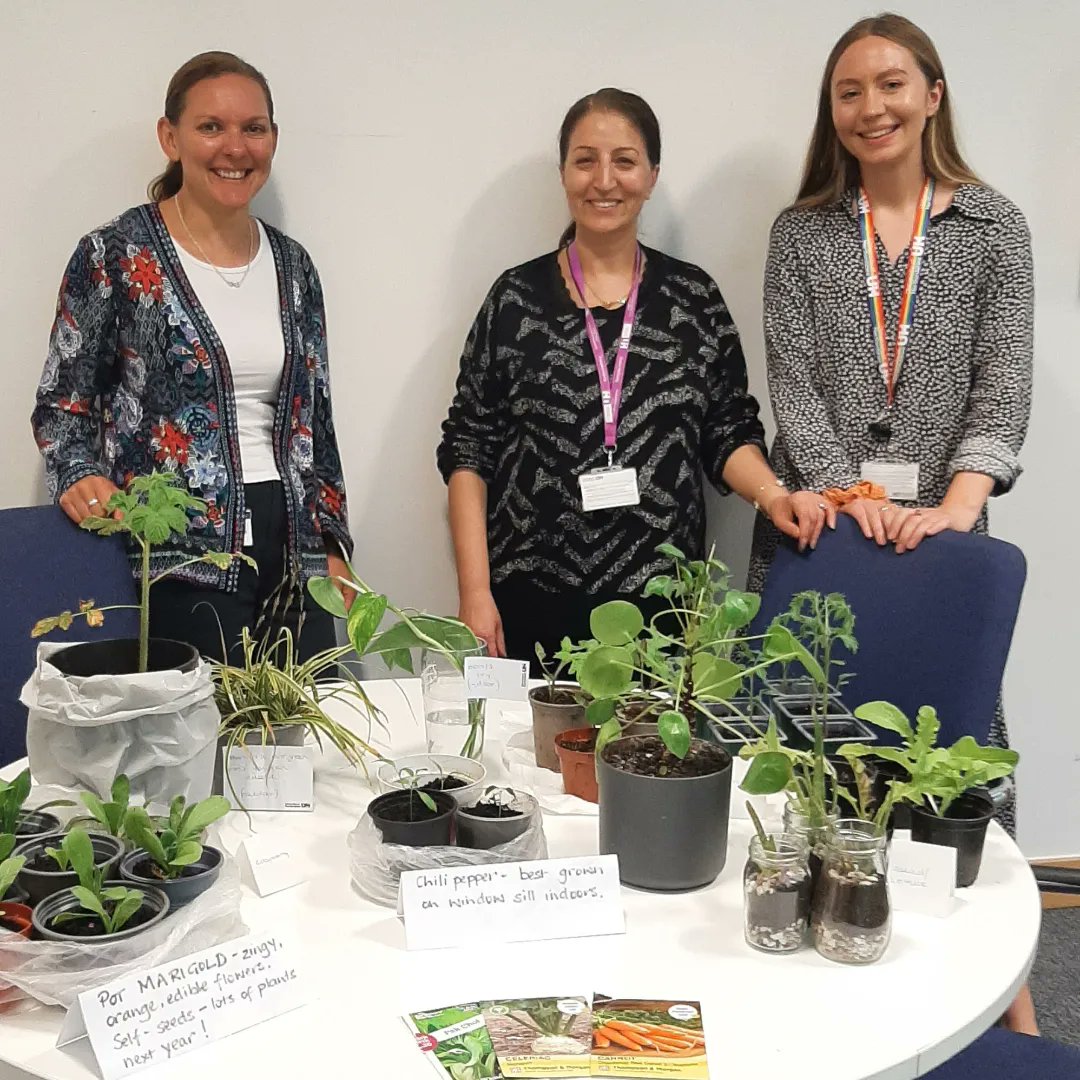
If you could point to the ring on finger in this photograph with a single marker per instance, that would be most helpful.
(821, 506)
(886, 508)
(92, 502)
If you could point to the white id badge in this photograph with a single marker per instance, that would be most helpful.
(603, 489)
(900, 479)
(249, 532)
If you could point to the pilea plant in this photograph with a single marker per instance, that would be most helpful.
(114, 905)
(153, 508)
(176, 845)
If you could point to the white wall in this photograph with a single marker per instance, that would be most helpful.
(417, 161)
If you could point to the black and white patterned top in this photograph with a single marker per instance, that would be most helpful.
(526, 417)
(963, 394)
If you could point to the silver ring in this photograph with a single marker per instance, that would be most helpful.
(92, 502)
(886, 507)
(821, 506)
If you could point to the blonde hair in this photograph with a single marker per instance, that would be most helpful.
(830, 170)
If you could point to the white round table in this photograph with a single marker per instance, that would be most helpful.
(940, 985)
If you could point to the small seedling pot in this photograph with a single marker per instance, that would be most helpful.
(120, 656)
(577, 760)
(551, 718)
(89, 931)
(963, 827)
(486, 825)
(194, 879)
(670, 832)
(32, 823)
(402, 818)
(40, 883)
(15, 919)
(461, 777)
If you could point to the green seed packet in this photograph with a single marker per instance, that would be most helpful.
(456, 1042)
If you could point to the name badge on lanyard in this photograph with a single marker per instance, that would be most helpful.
(603, 489)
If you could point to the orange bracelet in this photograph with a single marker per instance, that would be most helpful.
(864, 489)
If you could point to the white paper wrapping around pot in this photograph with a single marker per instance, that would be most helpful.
(159, 728)
(55, 972)
(376, 868)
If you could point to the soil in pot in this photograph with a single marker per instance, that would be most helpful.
(120, 656)
(91, 926)
(41, 876)
(554, 710)
(577, 759)
(87, 925)
(963, 827)
(402, 818)
(648, 756)
(444, 783)
(487, 824)
(192, 881)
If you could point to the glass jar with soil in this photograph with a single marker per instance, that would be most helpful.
(852, 916)
(798, 824)
(776, 894)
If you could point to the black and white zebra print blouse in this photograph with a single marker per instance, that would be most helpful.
(526, 417)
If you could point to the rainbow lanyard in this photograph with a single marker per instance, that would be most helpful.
(889, 360)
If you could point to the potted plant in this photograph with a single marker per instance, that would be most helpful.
(459, 777)
(48, 866)
(21, 823)
(556, 707)
(576, 753)
(414, 817)
(942, 783)
(14, 914)
(172, 859)
(497, 817)
(95, 910)
(664, 798)
(270, 698)
(104, 816)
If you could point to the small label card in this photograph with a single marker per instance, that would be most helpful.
(271, 863)
(270, 777)
(922, 877)
(158, 1015)
(495, 677)
(522, 901)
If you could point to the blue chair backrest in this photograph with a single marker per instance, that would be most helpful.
(47, 565)
(933, 625)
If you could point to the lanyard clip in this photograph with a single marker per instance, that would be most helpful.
(610, 457)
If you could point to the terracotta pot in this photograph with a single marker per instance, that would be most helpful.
(549, 720)
(577, 757)
(17, 914)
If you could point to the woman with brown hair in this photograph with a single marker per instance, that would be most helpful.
(190, 337)
(898, 315)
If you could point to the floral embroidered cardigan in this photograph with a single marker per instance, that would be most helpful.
(136, 379)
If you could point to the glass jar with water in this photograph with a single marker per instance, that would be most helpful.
(453, 721)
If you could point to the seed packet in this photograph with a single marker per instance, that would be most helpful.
(648, 1038)
(455, 1041)
(541, 1037)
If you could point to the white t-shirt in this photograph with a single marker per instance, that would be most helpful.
(248, 322)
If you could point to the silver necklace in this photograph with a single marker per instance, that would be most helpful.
(206, 258)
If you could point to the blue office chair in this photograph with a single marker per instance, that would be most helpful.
(934, 624)
(934, 627)
(48, 565)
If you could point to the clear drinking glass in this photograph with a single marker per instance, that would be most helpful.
(453, 721)
(776, 894)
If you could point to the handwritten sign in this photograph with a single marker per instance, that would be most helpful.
(496, 677)
(159, 1014)
(922, 877)
(271, 864)
(522, 901)
(270, 777)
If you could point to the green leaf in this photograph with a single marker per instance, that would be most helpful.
(884, 715)
(452, 635)
(398, 658)
(671, 551)
(203, 814)
(80, 852)
(121, 790)
(610, 730)
(617, 622)
(769, 773)
(95, 806)
(607, 672)
(140, 829)
(780, 642)
(675, 732)
(966, 747)
(364, 617)
(715, 678)
(89, 900)
(740, 608)
(327, 595)
(187, 852)
(125, 909)
(599, 711)
(660, 585)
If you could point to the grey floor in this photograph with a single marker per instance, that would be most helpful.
(1055, 979)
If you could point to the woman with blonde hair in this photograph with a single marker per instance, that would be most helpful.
(899, 306)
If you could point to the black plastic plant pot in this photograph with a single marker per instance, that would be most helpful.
(40, 881)
(733, 732)
(33, 823)
(194, 879)
(120, 656)
(670, 831)
(795, 715)
(16, 894)
(485, 825)
(402, 818)
(963, 827)
(881, 772)
(89, 930)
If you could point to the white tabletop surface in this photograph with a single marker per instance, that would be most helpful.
(941, 983)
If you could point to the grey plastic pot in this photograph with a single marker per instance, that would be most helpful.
(670, 833)
(551, 719)
(484, 833)
(61, 902)
(33, 823)
(284, 735)
(40, 884)
(194, 880)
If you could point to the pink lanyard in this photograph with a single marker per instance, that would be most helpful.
(611, 387)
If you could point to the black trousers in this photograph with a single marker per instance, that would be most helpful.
(265, 600)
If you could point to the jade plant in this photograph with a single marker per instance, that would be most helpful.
(114, 905)
(176, 846)
(10, 865)
(154, 508)
(937, 775)
(671, 668)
